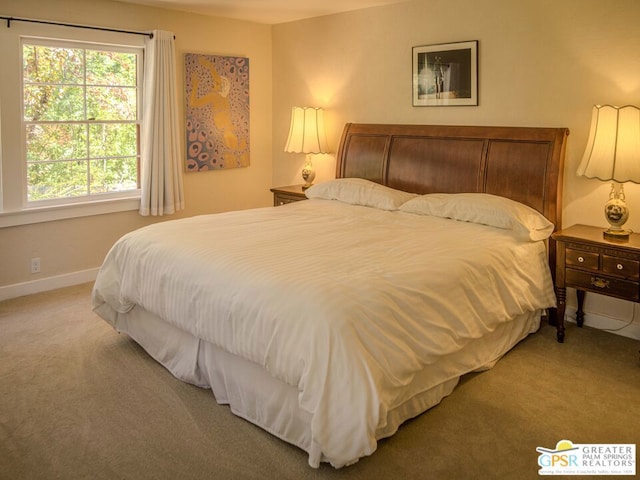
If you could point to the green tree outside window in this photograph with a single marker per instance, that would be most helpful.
(81, 122)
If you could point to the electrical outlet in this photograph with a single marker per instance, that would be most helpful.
(35, 265)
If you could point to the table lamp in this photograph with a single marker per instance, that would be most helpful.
(613, 154)
(306, 135)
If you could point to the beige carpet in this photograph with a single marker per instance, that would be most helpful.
(79, 401)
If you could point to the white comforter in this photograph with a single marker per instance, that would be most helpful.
(346, 303)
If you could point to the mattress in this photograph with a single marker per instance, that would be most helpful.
(365, 316)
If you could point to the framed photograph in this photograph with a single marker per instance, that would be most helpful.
(445, 74)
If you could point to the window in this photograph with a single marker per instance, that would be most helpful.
(81, 121)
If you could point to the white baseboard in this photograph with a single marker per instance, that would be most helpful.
(48, 283)
(613, 325)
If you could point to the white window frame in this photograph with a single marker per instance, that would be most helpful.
(85, 46)
(14, 208)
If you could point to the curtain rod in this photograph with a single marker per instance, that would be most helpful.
(16, 19)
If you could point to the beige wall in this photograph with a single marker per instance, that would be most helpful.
(78, 244)
(541, 63)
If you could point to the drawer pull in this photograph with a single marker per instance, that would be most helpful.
(581, 259)
(599, 282)
(619, 266)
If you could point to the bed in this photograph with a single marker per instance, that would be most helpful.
(330, 321)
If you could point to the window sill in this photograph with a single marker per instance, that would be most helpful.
(61, 212)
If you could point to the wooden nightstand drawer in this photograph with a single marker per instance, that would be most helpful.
(603, 284)
(282, 199)
(622, 267)
(290, 194)
(582, 259)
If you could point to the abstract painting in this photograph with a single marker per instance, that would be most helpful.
(217, 112)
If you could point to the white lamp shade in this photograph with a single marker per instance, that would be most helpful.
(613, 148)
(306, 133)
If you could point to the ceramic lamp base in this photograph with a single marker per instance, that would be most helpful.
(308, 174)
(617, 213)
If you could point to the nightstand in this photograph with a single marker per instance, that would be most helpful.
(588, 262)
(292, 193)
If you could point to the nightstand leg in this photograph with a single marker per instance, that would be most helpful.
(580, 312)
(561, 297)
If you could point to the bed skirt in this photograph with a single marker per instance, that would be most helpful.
(253, 394)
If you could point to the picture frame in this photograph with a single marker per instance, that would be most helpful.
(445, 74)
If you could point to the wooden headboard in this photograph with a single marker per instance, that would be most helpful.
(521, 163)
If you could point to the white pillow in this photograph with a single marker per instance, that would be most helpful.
(358, 191)
(485, 209)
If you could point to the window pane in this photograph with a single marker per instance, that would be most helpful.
(111, 68)
(112, 140)
(51, 102)
(52, 64)
(111, 103)
(56, 180)
(80, 120)
(56, 142)
(114, 175)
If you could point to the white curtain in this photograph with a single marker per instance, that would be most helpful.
(161, 164)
